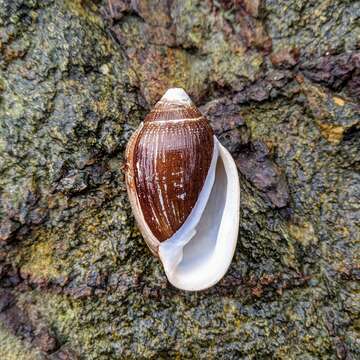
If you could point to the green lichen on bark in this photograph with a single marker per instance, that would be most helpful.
(279, 83)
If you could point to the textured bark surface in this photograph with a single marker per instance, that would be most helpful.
(280, 83)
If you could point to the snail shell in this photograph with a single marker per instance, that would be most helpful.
(184, 191)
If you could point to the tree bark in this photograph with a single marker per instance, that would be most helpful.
(279, 82)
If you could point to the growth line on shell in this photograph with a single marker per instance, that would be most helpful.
(176, 120)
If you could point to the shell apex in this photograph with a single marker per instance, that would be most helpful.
(176, 95)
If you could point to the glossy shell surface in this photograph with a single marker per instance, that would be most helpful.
(184, 191)
(171, 156)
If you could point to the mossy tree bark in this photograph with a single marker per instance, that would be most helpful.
(280, 83)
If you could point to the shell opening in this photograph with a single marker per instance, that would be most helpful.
(171, 250)
(199, 254)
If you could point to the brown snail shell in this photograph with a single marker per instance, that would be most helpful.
(172, 162)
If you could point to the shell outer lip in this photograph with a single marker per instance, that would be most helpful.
(225, 233)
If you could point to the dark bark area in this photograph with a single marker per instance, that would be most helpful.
(280, 84)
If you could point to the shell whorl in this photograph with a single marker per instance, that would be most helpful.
(170, 159)
(174, 107)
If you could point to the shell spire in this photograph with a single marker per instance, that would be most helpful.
(174, 106)
(174, 163)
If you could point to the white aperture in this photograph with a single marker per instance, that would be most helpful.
(176, 95)
(198, 255)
